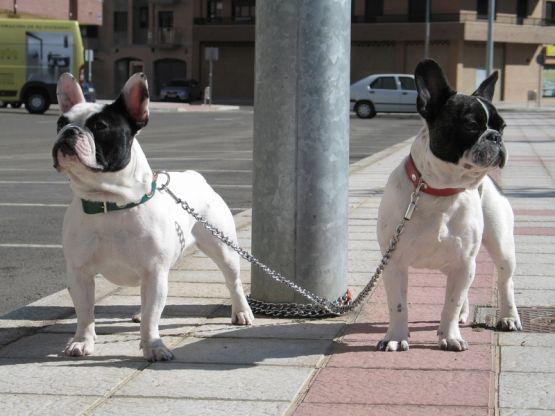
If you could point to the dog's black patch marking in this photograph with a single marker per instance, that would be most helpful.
(62, 122)
(113, 133)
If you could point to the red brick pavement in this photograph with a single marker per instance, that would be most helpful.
(359, 380)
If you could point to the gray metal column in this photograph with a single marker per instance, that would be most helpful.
(301, 146)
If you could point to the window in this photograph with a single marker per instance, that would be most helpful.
(482, 9)
(214, 9)
(549, 81)
(407, 83)
(243, 9)
(120, 22)
(374, 8)
(143, 17)
(550, 12)
(165, 19)
(417, 10)
(89, 31)
(384, 83)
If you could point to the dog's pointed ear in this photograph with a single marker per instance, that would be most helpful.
(433, 88)
(69, 92)
(136, 98)
(487, 87)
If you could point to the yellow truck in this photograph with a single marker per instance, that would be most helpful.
(33, 54)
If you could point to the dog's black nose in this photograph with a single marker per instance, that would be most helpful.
(495, 137)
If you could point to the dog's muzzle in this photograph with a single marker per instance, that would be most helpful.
(67, 140)
(490, 150)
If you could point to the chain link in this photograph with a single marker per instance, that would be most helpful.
(320, 307)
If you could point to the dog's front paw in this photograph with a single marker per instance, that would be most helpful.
(79, 347)
(391, 345)
(453, 344)
(244, 317)
(241, 313)
(509, 324)
(156, 351)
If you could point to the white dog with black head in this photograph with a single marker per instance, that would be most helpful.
(119, 225)
(459, 208)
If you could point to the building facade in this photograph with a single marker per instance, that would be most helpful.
(388, 36)
(167, 40)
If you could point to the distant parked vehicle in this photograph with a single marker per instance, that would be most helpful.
(89, 92)
(383, 93)
(185, 90)
(33, 55)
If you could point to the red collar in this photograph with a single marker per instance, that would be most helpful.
(415, 177)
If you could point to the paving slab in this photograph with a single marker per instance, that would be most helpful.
(123, 406)
(269, 351)
(395, 387)
(527, 391)
(317, 409)
(44, 404)
(217, 381)
(95, 376)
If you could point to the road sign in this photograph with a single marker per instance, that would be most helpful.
(211, 54)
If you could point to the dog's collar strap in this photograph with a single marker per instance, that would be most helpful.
(415, 177)
(98, 207)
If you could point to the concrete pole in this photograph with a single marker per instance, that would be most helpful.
(489, 47)
(301, 146)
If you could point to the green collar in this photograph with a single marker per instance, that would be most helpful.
(95, 207)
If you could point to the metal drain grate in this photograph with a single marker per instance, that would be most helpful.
(533, 319)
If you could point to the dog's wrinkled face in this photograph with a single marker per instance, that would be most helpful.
(465, 130)
(98, 137)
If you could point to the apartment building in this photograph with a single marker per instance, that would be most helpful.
(388, 36)
(167, 40)
(151, 36)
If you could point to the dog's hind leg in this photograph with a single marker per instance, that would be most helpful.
(81, 290)
(499, 241)
(229, 263)
(395, 281)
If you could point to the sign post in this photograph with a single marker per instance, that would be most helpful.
(211, 55)
(89, 58)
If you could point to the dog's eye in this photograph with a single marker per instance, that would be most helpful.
(99, 125)
(473, 126)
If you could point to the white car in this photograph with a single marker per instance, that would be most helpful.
(383, 93)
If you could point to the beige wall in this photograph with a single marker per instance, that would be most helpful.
(373, 57)
(89, 12)
(522, 71)
(233, 73)
(474, 60)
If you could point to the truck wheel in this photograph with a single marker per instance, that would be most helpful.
(36, 102)
(365, 109)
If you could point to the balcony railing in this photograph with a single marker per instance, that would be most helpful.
(454, 17)
(248, 20)
(166, 37)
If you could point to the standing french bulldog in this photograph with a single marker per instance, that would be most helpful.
(459, 208)
(119, 224)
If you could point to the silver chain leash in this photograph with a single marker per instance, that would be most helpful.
(320, 307)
